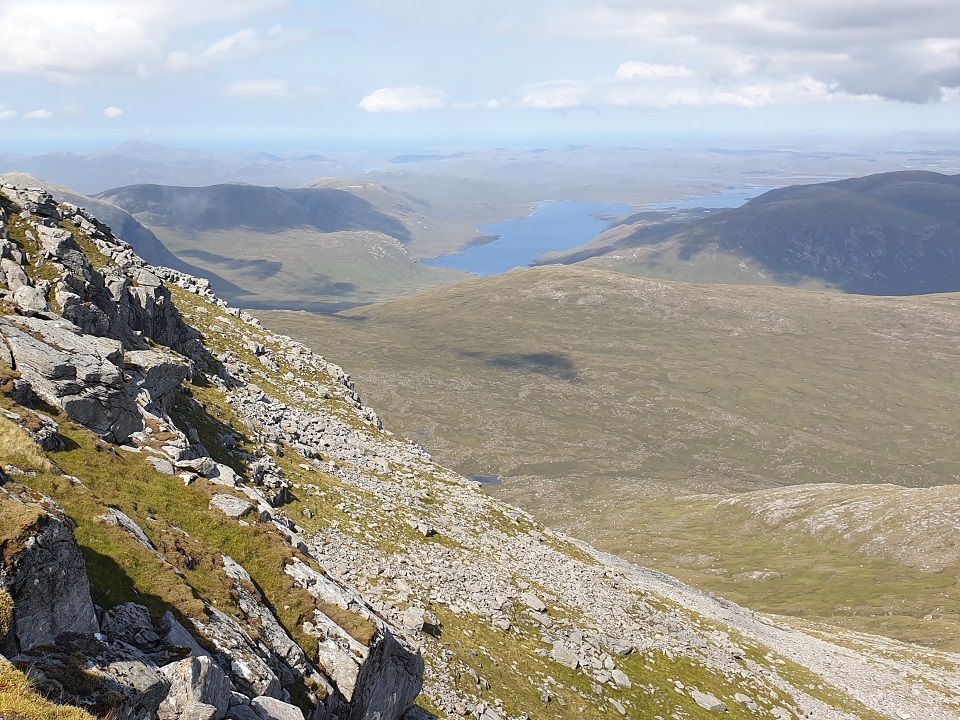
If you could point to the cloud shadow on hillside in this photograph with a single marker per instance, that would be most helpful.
(556, 365)
(254, 269)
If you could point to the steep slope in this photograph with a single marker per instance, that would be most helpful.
(317, 247)
(124, 226)
(603, 400)
(259, 547)
(889, 234)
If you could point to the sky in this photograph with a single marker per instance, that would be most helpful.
(352, 74)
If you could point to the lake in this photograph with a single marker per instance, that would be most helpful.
(557, 225)
(734, 197)
(554, 225)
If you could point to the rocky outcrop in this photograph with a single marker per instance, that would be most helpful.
(81, 374)
(96, 317)
(42, 571)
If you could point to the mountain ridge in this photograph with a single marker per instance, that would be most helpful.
(894, 233)
(261, 548)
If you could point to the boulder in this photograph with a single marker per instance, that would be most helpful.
(12, 274)
(31, 300)
(122, 520)
(243, 659)
(80, 669)
(176, 635)
(60, 245)
(533, 602)
(230, 505)
(708, 701)
(268, 708)
(130, 623)
(43, 572)
(380, 678)
(565, 655)
(195, 681)
(158, 375)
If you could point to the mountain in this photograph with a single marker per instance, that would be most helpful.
(623, 409)
(146, 162)
(334, 243)
(200, 519)
(894, 233)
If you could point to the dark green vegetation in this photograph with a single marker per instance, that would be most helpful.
(890, 234)
(608, 402)
(331, 245)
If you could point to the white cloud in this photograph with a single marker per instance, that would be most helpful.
(270, 88)
(38, 115)
(907, 51)
(656, 89)
(258, 88)
(404, 99)
(556, 95)
(67, 40)
(478, 105)
(8, 114)
(112, 112)
(636, 70)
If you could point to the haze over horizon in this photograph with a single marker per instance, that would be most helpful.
(281, 74)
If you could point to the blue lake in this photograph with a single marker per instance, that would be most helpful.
(734, 197)
(553, 226)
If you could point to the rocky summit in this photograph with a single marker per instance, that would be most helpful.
(200, 519)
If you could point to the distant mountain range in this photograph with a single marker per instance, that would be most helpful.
(262, 209)
(332, 244)
(887, 234)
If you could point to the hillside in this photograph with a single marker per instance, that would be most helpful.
(199, 519)
(330, 244)
(894, 233)
(602, 400)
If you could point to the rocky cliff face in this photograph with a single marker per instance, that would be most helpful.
(258, 546)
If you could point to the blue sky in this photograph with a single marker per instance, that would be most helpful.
(288, 74)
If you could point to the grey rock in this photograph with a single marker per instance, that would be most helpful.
(132, 684)
(159, 374)
(201, 466)
(47, 435)
(122, 520)
(47, 580)
(268, 708)
(177, 635)
(79, 373)
(565, 655)
(223, 475)
(130, 623)
(231, 505)
(60, 245)
(13, 275)
(195, 680)
(289, 660)
(244, 661)
(708, 701)
(533, 602)
(242, 712)
(200, 711)
(161, 465)
(491, 714)
(621, 679)
(31, 300)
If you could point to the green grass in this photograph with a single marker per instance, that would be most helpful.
(20, 701)
(605, 401)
